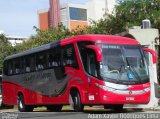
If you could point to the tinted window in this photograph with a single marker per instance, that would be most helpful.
(18, 66)
(14, 66)
(30, 63)
(88, 58)
(69, 56)
(10, 67)
(54, 57)
(6, 68)
(41, 61)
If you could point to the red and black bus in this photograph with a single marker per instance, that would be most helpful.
(81, 70)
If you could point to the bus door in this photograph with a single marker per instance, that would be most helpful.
(91, 68)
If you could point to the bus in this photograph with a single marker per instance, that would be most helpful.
(78, 71)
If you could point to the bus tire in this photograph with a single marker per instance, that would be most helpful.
(54, 108)
(77, 105)
(21, 105)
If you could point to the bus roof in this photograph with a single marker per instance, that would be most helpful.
(34, 50)
(109, 39)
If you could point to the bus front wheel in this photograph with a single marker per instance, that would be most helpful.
(21, 105)
(76, 105)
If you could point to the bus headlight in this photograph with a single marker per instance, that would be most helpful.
(104, 87)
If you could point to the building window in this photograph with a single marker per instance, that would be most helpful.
(78, 14)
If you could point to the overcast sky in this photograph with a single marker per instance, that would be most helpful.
(17, 17)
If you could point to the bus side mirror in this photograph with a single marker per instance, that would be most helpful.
(97, 50)
(153, 53)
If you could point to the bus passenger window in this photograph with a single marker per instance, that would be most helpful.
(27, 61)
(10, 68)
(54, 58)
(6, 68)
(69, 56)
(30, 64)
(41, 62)
(17, 66)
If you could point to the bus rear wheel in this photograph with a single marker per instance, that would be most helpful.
(21, 105)
(77, 105)
(54, 108)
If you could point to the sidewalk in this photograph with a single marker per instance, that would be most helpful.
(152, 109)
(155, 109)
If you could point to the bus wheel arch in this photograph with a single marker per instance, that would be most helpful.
(75, 100)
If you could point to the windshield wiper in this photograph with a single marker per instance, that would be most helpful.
(132, 69)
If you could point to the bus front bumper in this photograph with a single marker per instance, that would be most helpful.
(130, 97)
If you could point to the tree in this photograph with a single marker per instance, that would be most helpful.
(128, 13)
(132, 12)
(5, 50)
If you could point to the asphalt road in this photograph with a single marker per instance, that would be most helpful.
(88, 114)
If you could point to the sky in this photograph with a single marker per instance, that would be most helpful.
(17, 17)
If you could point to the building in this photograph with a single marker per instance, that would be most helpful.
(43, 19)
(16, 39)
(50, 17)
(54, 16)
(74, 15)
(97, 8)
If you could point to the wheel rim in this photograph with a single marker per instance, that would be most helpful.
(71, 102)
(76, 101)
(20, 104)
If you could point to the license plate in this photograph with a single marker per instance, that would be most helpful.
(129, 98)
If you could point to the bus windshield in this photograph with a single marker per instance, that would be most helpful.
(123, 64)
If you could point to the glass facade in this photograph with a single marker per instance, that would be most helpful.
(78, 14)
